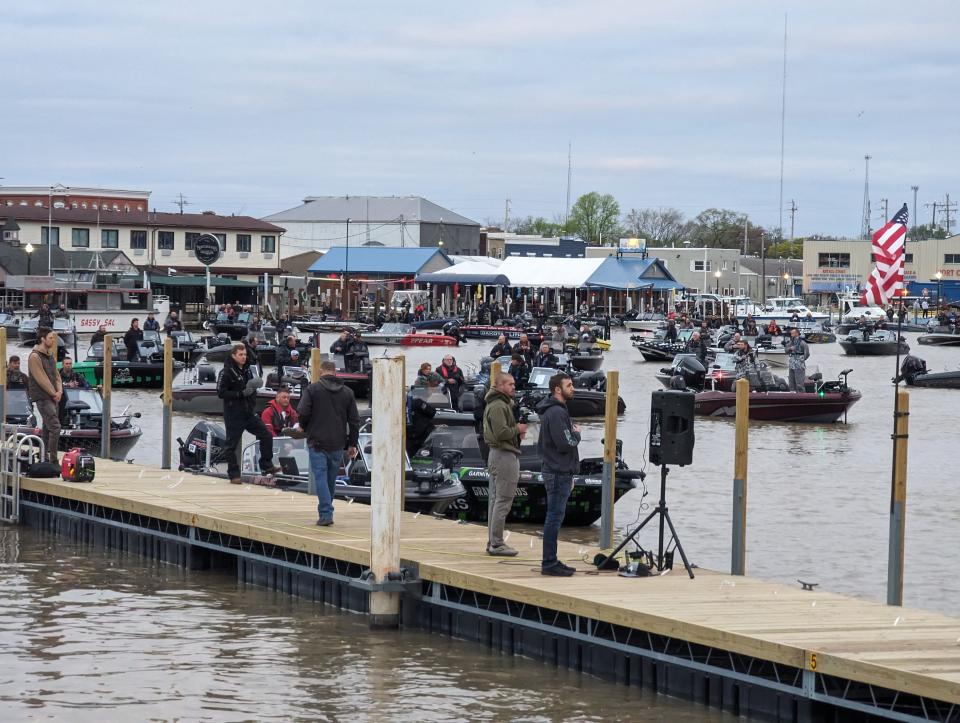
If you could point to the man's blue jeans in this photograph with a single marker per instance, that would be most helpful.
(558, 488)
(325, 465)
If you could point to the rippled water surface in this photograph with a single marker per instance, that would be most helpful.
(90, 635)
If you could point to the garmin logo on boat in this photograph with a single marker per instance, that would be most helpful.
(471, 474)
(484, 492)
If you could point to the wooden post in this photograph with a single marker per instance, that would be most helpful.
(314, 378)
(738, 557)
(107, 388)
(166, 452)
(609, 460)
(386, 493)
(494, 373)
(898, 501)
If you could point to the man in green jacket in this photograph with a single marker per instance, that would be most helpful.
(502, 434)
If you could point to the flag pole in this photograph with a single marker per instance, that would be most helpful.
(895, 548)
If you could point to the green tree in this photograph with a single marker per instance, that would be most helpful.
(596, 218)
(927, 230)
(538, 226)
(786, 249)
(718, 228)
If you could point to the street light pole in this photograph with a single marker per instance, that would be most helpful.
(717, 275)
(29, 249)
(939, 277)
(786, 285)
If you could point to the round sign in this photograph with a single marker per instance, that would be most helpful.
(207, 248)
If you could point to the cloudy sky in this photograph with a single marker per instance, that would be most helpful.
(246, 107)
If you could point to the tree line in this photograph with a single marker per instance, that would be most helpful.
(598, 219)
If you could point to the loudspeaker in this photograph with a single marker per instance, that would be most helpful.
(671, 427)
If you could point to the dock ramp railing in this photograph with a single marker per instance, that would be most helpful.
(18, 451)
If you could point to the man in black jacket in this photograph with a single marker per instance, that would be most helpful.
(341, 344)
(329, 417)
(130, 339)
(502, 347)
(557, 445)
(546, 358)
(237, 387)
(284, 357)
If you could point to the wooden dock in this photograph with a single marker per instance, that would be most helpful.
(800, 653)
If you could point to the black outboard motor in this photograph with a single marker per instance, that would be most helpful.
(356, 359)
(591, 380)
(206, 374)
(193, 451)
(912, 367)
(688, 368)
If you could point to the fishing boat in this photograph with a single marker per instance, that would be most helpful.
(951, 338)
(659, 349)
(144, 371)
(321, 324)
(877, 342)
(11, 323)
(94, 297)
(81, 425)
(585, 358)
(822, 402)
(234, 326)
(65, 329)
(424, 491)
(407, 335)
(589, 393)
(913, 371)
(647, 322)
(186, 348)
(492, 331)
(774, 354)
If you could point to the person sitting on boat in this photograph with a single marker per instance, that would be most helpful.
(685, 322)
(670, 334)
(16, 379)
(426, 375)
(697, 345)
(256, 323)
(749, 326)
(421, 417)
(502, 347)
(795, 317)
(546, 357)
(98, 335)
(731, 346)
(773, 329)
(586, 335)
(172, 323)
(519, 370)
(253, 356)
(341, 343)
(890, 312)
(44, 316)
(151, 324)
(70, 378)
(130, 339)
(744, 358)
(285, 352)
(280, 414)
(452, 377)
(798, 351)
(525, 349)
(62, 312)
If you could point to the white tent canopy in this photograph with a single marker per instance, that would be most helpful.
(548, 273)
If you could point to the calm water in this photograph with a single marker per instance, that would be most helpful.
(89, 635)
(86, 628)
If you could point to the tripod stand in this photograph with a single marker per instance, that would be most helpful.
(662, 562)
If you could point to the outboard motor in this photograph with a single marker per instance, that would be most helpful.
(911, 367)
(591, 380)
(357, 358)
(206, 374)
(690, 370)
(193, 451)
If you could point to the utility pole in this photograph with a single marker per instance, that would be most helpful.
(865, 227)
(884, 205)
(948, 208)
(793, 213)
(933, 218)
(506, 215)
(181, 201)
(915, 219)
(566, 216)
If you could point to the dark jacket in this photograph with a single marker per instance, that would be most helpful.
(97, 337)
(172, 324)
(454, 373)
(421, 424)
(233, 385)
(73, 378)
(328, 414)
(546, 360)
(501, 350)
(130, 340)
(558, 442)
(151, 325)
(284, 359)
(339, 346)
(277, 419)
(253, 358)
(500, 429)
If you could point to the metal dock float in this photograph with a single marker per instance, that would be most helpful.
(743, 645)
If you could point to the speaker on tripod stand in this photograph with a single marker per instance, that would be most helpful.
(671, 442)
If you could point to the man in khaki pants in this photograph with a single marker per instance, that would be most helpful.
(45, 388)
(502, 434)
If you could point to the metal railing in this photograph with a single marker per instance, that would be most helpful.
(19, 450)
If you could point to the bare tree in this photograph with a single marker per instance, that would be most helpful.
(660, 226)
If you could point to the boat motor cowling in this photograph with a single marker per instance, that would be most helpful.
(193, 451)
(690, 369)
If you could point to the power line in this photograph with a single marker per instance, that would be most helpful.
(181, 201)
(865, 228)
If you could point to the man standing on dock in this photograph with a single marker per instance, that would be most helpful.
(329, 417)
(798, 351)
(45, 389)
(557, 445)
(502, 434)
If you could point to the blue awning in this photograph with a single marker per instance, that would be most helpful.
(626, 274)
(449, 277)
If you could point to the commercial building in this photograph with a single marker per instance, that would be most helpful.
(832, 266)
(107, 199)
(500, 245)
(322, 222)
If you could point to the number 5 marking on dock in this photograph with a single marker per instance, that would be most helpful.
(812, 661)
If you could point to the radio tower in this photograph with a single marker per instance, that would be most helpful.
(865, 228)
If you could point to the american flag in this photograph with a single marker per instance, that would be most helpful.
(887, 276)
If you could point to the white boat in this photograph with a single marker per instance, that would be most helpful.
(851, 310)
(649, 324)
(779, 309)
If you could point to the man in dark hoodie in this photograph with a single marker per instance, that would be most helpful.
(502, 434)
(557, 446)
(237, 387)
(329, 417)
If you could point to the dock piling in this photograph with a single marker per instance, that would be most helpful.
(106, 391)
(167, 447)
(898, 502)
(738, 558)
(609, 459)
(314, 378)
(387, 480)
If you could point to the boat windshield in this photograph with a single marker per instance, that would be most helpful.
(294, 458)
(395, 329)
(436, 397)
(62, 325)
(151, 335)
(540, 377)
(724, 362)
(90, 397)
(17, 403)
